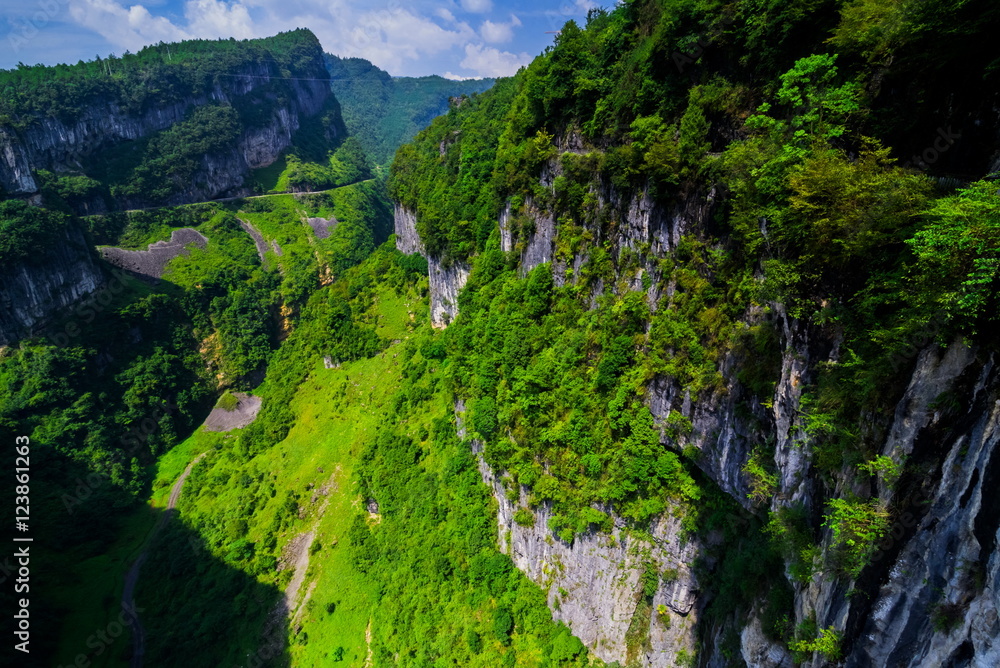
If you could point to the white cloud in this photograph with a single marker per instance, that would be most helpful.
(487, 61)
(212, 18)
(497, 33)
(130, 29)
(456, 77)
(402, 38)
(388, 38)
(477, 6)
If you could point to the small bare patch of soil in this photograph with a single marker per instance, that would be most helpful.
(153, 262)
(322, 227)
(258, 238)
(245, 412)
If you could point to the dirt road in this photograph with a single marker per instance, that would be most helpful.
(132, 577)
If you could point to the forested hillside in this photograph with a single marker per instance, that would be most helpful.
(167, 125)
(385, 112)
(683, 353)
(233, 350)
(699, 274)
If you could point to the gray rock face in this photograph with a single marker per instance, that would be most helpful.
(407, 239)
(932, 594)
(246, 411)
(60, 146)
(445, 284)
(152, 262)
(950, 567)
(446, 279)
(594, 584)
(760, 651)
(632, 226)
(539, 247)
(322, 227)
(35, 292)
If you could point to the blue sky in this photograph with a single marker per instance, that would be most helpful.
(456, 38)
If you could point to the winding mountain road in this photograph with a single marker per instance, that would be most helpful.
(132, 576)
(233, 199)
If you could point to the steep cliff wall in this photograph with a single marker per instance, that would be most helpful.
(65, 146)
(446, 278)
(930, 595)
(218, 110)
(35, 291)
(407, 239)
(595, 584)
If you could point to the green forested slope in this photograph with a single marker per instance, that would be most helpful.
(385, 112)
(94, 137)
(156, 75)
(121, 379)
(782, 116)
(778, 116)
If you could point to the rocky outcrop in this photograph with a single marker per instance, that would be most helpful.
(938, 603)
(595, 584)
(447, 278)
(323, 227)
(930, 596)
(446, 281)
(67, 146)
(34, 292)
(637, 230)
(405, 227)
(539, 247)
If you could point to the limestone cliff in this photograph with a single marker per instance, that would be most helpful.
(931, 595)
(36, 291)
(446, 278)
(268, 101)
(71, 146)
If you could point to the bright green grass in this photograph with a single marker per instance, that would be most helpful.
(284, 225)
(225, 248)
(274, 177)
(172, 464)
(397, 314)
(329, 434)
(337, 412)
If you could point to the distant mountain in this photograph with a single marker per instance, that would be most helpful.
(385, 112)
(170, 124)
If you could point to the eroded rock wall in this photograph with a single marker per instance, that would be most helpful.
(35, 291)
(446, 278)
(66, 146)
(931, 595)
